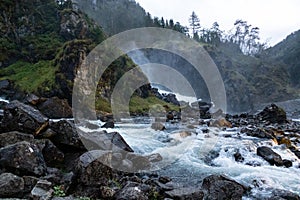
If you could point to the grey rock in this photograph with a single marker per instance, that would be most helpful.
(11, 185)
(23, 158)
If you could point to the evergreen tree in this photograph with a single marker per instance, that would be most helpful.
(194, 24)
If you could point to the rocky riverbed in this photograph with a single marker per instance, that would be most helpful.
(234, 157)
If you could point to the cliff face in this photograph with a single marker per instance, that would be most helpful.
(44, 43)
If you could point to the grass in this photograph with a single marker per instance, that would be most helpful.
(31, 77)
(138, 105)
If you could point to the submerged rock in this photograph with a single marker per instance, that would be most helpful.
(158, 126)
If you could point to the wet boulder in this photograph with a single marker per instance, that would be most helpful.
(158, 126)
(55, 108)
(11, 185)
(24, 118)
(109, 124)
(222, 187)
(273, 114)
(22, 158)
(270, 156)
(257, 132)
(284, 194)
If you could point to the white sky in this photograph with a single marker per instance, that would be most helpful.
(275, 18)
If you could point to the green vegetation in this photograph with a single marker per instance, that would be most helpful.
(59, 191)
(30, 77)
(139, 105)
(142, 105)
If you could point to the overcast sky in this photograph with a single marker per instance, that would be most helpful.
(275, 18)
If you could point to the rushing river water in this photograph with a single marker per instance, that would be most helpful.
(188, 164)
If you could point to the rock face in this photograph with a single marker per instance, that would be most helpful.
(24, 118)
(10, 185)
(55, 108)
(220, 187)
(22, 158)
(14, 137)
(273, 114)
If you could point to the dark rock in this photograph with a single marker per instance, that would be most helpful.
(185, 193)
(139, 162)
(52, 155)
(238, 157)
(269, 155)
(109, 124)
(273, 114)
(133, 191)
(11, 185)
(164, 179)
(284, 194)
(42, 190)
(55, 108)
(107, 192)
(296, 152)
(257, 132)
(287, 163)
(105, 117)
(222, 187)
(23, 158)
(93, 168)
(57, 177)
(158, 126)
(24, 118)
(170, 98)
(29, 183)
(49, 133)
(33, 99)
(105, 141)
(67, 137)
(14, 137)
(91, 126)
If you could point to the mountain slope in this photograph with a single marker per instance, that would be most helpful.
(44, 43)
(288, 52)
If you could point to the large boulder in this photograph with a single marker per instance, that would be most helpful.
(11, 185)
(102, 140)
(284, 194)
(52, 155)
(273, 114)
(91, 169)
(55, 108)
(270, 156)
(20, 117)
(22, 158)
(158, 126)
(67, 137)
(13, 137)
(221, 187)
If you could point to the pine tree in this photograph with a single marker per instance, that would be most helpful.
(194, 23)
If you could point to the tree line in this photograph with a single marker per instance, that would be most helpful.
(244, 35)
